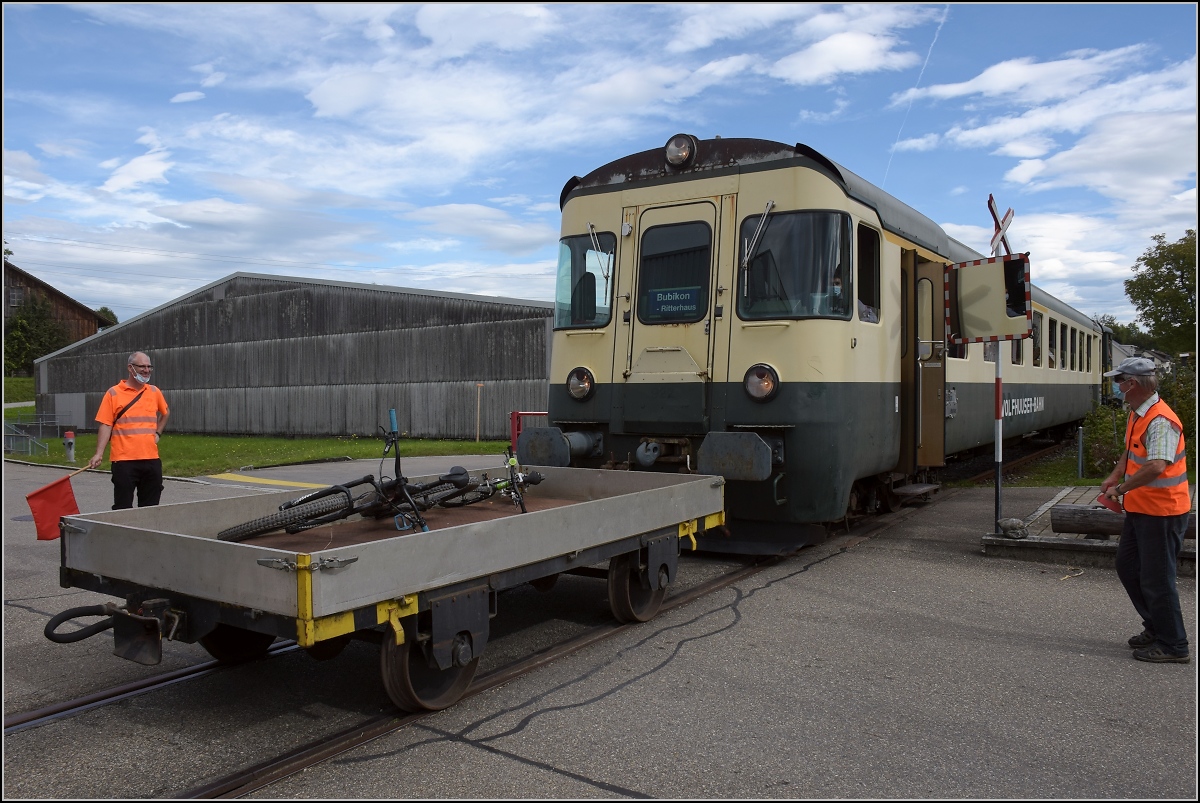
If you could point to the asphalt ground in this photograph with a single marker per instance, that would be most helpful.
(901, 665)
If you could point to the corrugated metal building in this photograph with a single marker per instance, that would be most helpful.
(276, 355)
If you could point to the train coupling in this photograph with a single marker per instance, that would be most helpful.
(137, 634)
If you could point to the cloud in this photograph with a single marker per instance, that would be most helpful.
(706, 25)
(850, 52)
(1026, 81)
(494, 227)
(187, 97)
(925, 143)
(455, 30)
(148, 168)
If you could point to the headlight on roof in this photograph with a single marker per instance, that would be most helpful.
(761, 382)
(580, 383)
(680, 150)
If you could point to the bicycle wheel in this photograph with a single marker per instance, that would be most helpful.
(280, 520)
(469, 497)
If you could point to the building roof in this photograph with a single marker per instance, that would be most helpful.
(51, 290)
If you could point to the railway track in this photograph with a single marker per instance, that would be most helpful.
(16, 723)
(249, 779)
(258, 776)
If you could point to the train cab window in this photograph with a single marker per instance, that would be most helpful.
(1037, 339)
(1052, 345)
(1062, 344)
(673, 276)
(583, 289)
(868, 274)
(799, 268)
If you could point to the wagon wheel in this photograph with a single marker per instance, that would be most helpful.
(629, 601)
(232, 645)
(329, 648)
(412, 683)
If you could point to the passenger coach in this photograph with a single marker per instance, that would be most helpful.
(752, 309)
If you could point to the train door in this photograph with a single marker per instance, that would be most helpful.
(670, 356)
(923, 364)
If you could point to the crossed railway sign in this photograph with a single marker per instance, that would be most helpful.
(1001, 236)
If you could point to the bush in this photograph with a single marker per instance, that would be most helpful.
(1104, 427)
(1103, 439)
(1179, 391)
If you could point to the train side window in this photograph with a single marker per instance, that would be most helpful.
(675, 267)
(1052, 345)
(1074, 337)
(1018, 357)
(868, 274)
(1062, 345)
(582, 289)
(1089, 354)
(1037, 339)
(990, 350)
(800, 268)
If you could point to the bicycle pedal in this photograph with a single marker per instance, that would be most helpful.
(407, 524)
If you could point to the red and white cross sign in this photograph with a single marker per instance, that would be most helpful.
(1001, 235)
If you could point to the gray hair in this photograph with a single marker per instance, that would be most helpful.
(134, 354)
(1148, 383)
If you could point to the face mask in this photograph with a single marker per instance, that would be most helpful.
(837, 291)
(141, 379)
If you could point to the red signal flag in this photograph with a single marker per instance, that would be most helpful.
(50, 503)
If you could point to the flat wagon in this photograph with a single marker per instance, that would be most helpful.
(426, 597)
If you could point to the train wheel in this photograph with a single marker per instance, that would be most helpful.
(232, 645)
(329, 648)
(629, 601)
(888, 499)
(411, 683)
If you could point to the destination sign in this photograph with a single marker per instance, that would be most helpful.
(673, 302)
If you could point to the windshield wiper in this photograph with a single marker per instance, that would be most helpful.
(752, 247)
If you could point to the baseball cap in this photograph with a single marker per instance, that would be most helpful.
(1133, 366)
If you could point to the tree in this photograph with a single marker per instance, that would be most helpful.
(105, 312)
(1127, 334)
(29, 333)
(1164, 291)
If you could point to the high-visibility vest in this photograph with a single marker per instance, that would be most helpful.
(132, 434)
(1167, 494)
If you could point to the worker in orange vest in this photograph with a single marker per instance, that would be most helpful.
(132, 416)
(1151, 481)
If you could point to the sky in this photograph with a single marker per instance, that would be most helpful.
(150, 150)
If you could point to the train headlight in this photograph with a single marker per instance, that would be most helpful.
(761, 382)
(580, 384)
(680, 150)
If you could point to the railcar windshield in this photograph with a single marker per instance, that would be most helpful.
(801, 267)
(583, 290)
(673, 279)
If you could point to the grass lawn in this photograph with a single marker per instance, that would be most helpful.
(18, 389)
(1058, 469)
(204, 455)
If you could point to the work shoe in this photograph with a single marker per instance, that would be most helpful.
(1156, 655)
(1143, 639)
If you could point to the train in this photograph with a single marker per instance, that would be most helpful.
(753, 309)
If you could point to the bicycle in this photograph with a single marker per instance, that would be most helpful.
(387, 497)
(513, 486)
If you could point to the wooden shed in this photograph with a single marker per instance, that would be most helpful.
(275, 355)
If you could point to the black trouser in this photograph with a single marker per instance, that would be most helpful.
(144, 475)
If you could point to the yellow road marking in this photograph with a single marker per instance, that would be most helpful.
(265, 481)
